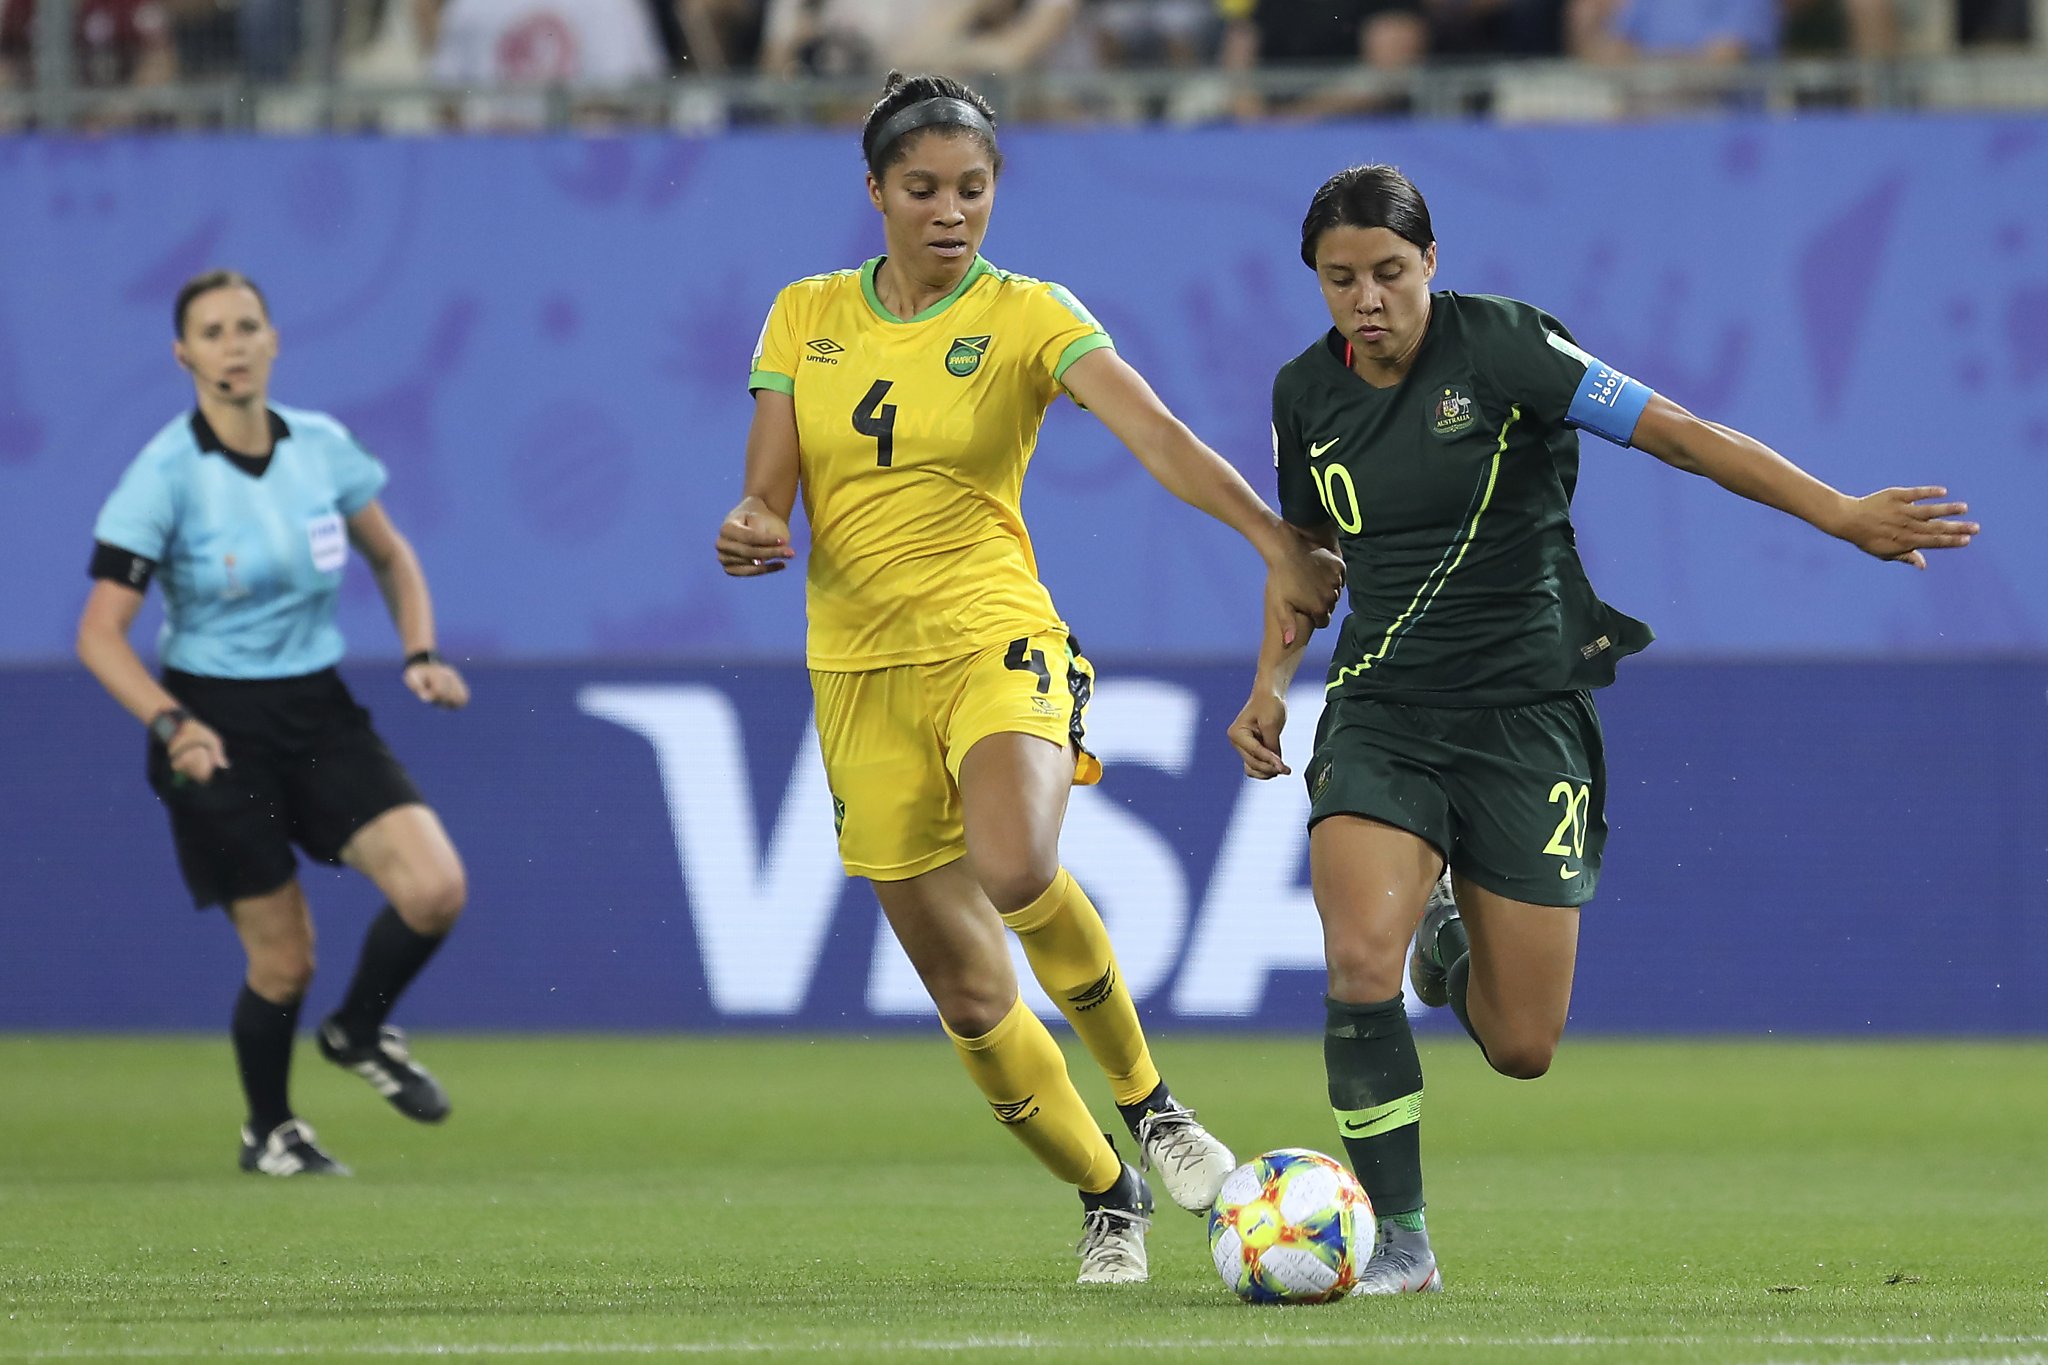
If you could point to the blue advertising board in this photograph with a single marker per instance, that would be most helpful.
(1796, 848)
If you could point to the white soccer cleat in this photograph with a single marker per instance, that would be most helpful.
(1113, 1247)
(1113, 1227)
(1188, 1159)
(1401, 1263)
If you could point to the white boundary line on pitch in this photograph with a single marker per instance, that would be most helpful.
(1023, 1342)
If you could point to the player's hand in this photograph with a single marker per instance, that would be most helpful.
(439, 684)
(1898, 523)
(752, 541)
(1307, 581)
(196, 753)
(1256, 735)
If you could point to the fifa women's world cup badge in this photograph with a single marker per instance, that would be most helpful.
(965, 357)
(1453, 414)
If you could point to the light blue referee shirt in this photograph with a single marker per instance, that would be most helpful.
(250, 564)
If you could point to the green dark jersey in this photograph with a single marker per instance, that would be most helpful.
(1451, 497)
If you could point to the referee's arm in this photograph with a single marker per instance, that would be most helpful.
(399, 576)
(403, 584)
(103, 648)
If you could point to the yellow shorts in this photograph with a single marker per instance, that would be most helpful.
(894, 738)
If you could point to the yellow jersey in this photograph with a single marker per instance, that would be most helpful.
(914, 436)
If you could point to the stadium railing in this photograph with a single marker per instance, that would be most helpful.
(324, 97)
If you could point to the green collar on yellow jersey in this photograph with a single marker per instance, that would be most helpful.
(867, 289)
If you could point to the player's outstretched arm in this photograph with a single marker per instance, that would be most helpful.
(1892, 523)
(1255, 734)
(754, 537)
(1306, 581)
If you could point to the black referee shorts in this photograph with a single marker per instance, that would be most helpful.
(304, 768)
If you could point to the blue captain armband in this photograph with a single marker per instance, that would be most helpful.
(1608, 402)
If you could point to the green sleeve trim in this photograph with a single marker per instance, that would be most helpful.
(768, 379)
(1080, 346)
(1380, 1118)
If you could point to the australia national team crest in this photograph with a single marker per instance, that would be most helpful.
(1453, 413)
(965, 357)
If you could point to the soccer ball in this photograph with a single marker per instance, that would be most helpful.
(1291, 1226)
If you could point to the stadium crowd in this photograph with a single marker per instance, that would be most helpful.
(597, 49)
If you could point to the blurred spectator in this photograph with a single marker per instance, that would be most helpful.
(868, 37)
(1695, 44)
(1994, 22)
(1711, 32)
(1496, 28)
(1378, 35)
(268, 34)
(1865, 29)
(997, 37)
(1836, 28)
(387, 42)
(588, 47)
(841, 37)
(113, 43)
(712, 36)
(203, 32)
(1148, 33)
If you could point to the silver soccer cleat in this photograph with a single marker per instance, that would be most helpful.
(1401, 1263)
(1429, 977)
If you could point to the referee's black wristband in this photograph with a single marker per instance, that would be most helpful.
(164, 724)
(423, 656)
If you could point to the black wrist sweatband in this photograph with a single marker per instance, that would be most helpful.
(422, 656)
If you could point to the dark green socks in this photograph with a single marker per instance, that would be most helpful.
(1454, 950)
(1376, 1093)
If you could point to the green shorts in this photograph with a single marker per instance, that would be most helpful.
(1514, 797)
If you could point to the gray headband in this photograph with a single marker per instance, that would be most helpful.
(942, 109)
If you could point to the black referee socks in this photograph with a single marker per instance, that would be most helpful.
(263, 1031)
(393, 954)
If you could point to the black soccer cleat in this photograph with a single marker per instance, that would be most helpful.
(389, 1068)
(287, 1149)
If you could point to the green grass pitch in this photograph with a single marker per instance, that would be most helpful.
(768, 1198)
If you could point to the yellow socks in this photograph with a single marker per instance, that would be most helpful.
(1023, 1073)
(1069, 951)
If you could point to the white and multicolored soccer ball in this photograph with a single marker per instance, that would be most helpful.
(1291, 1226)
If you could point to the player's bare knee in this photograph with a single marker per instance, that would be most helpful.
(431, 903)
(1362, 975)
(1012, 886)
(969, 1011)
(281, 976)
(1521, 1061)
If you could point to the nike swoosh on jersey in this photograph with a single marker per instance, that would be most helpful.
(1316, 452)
(1566, 873)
